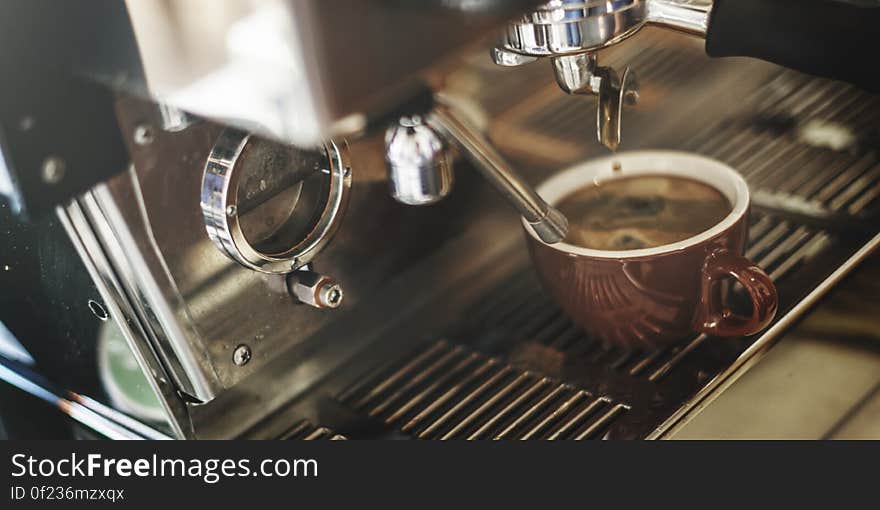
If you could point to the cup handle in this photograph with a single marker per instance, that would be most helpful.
(713, 318)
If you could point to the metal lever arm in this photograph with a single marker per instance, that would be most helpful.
(550, 225)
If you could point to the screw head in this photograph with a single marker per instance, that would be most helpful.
(52, 170)
(241, 355)
(231, 210)
(330, 296)
(26, 123)
(143, 134)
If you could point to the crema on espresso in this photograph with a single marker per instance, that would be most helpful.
(631, 213)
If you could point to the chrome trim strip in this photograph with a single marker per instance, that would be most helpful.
(79, 232)
(186, 361)
(98, 417)
(757, 350)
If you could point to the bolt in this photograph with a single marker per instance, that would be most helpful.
(174, 119)
(331, 295)
(53, 170)
(231, 210)
(143, 134)
(241, 355)
(315, 289)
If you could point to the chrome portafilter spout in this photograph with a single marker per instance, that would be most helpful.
(419, 165)
(571, 32)
(581, 74)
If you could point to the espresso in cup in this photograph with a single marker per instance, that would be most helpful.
(630, 213)
(653, 234)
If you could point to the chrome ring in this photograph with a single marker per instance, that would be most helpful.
(565, 27)
(219, 209)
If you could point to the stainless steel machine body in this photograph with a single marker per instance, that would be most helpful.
(298, 70)
(442, 332)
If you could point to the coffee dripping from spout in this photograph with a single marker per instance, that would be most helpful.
(571, 32)
(820, 37)
(581, 74)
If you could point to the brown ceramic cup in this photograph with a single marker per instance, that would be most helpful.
(656, 296)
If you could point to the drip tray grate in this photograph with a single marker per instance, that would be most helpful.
(516, 367)
(804, 144)
(522, 370)
(449, 391)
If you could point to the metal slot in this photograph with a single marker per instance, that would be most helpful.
(850, 171)
(602, 423)
(676, 358)
(396, 376)
(306, 431)
(856, 189)
(869, 198)
(466, 400)
(569, 426)
(423, 396)
(448, 396)
(816, 244)
(644, 363)
(437, 366)
(482, 410)
(825, 185)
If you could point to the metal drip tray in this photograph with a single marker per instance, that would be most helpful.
(517, 368)
(506, 363)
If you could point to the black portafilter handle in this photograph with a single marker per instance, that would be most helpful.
(827, 38)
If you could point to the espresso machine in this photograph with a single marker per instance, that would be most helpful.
(299, 219)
